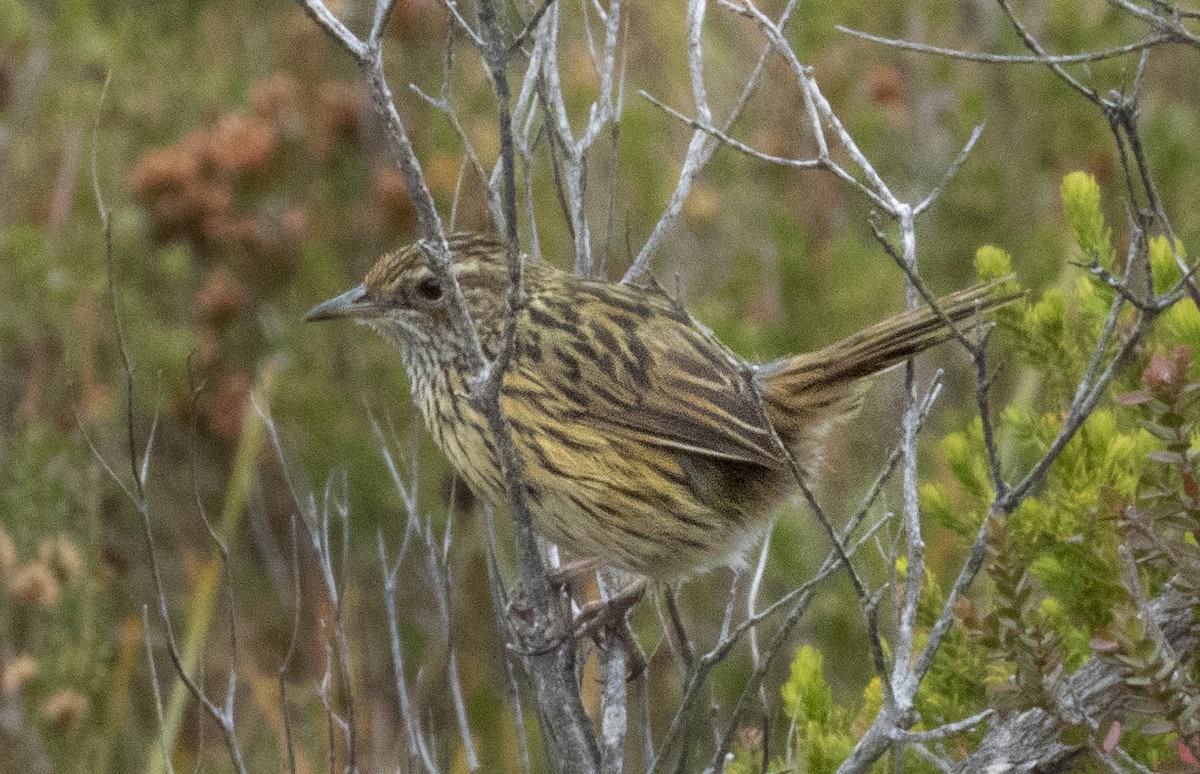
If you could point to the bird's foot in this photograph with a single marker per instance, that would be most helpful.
(599, 619)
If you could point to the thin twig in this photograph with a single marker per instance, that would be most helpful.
(154, 687)
(986, 58)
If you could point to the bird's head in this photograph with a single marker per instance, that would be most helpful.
(402, 299)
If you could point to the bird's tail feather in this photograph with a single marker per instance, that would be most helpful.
(801, 388)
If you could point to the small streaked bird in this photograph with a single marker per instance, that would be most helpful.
(645, 441)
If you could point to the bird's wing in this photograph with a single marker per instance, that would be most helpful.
(621, 366)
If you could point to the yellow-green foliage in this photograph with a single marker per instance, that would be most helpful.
(1163, 266)
(1081, 200)
(825, 731)
(952, 688)
(1181, 323)
(1051, 581)
(992, 263)
(1054, 583)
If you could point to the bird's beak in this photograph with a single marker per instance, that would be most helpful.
(351, 304)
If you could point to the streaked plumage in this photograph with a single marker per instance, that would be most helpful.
(642, 437)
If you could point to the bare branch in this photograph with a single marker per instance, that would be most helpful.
(959, 160)
(154, 686)
(949, 729)
(986, 58)
(737, 145)
(700, 148)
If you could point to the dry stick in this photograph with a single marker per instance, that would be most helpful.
(644, 705)
(535, 247)
(528, 98)
(416, 740)
(735, 585)
(1033, 45)
(948, 729)
(831, 564)
(444, 103)
(613, 660)
(569, 736)
(527, 31)
(904, 689)
(883, 730)
(800, 596)
(574, 150)
(557, 128)
(875, 740)
(439, 576)
(986, 58)
(686, 649)
(504, 626)
(554, 145)
(317, 523)
(369, 58)
(977, 349)
(1119, 112)
(601, 269)
(1174, 10)
(756, 677)
(736, 144)
(950, 172)
(158, 704)
(332, 720)
(610, 113)
(1122, 117)
(223, 716)
(860, 586)
(821, 113)
(452, 8)
(513, 692)
(285, 663)
(1164, 25)
(338, 644)
(417, 746)
(222, 546)
(1137, 300)
(698, 154)
(551, 669)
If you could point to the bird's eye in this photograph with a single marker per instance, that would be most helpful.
(429, 290)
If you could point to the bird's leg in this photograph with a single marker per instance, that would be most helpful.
(612, 615)
(595, 616)
(572, 569)
(564, 579)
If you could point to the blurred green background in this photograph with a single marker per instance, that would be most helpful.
(247, 181)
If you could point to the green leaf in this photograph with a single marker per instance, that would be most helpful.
(1081, 200)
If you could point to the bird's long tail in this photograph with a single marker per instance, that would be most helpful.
(801, 390)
